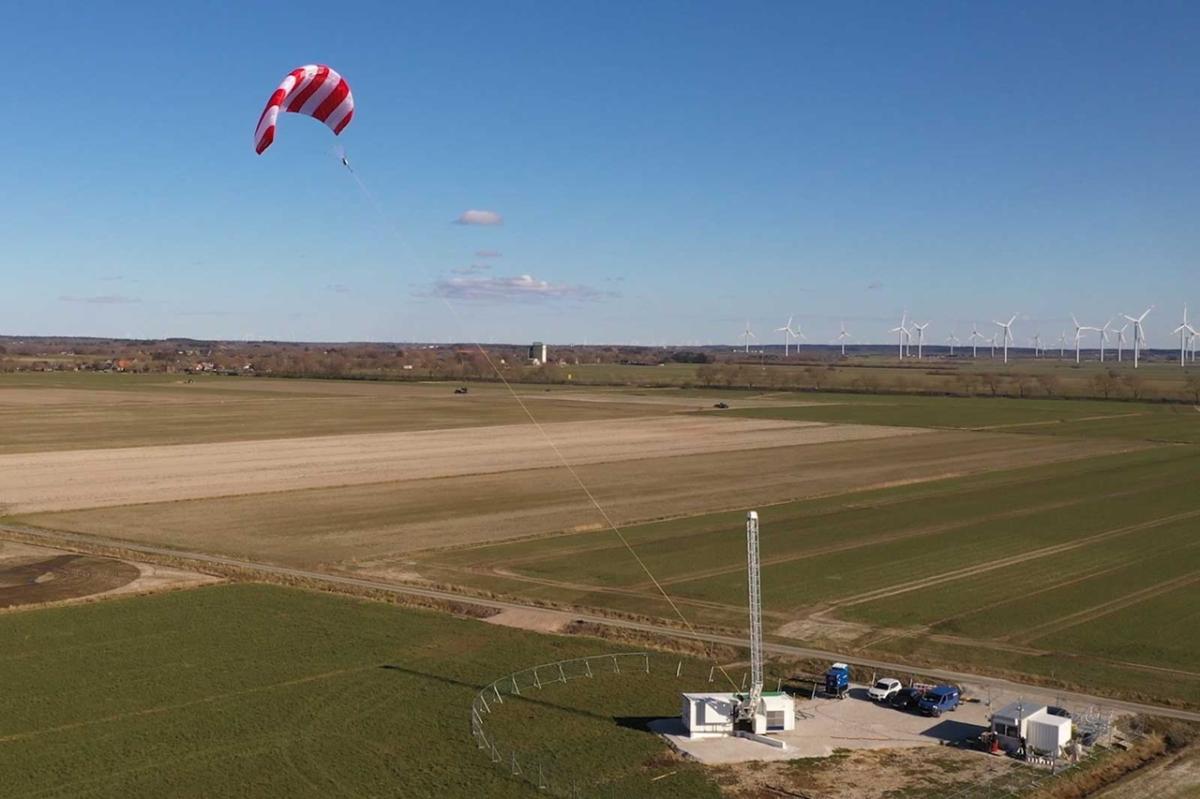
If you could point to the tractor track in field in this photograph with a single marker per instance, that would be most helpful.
(272, 571)
(983, 568)
(1031, 634)
(904, 535)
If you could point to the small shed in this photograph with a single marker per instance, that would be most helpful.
(1047, 735)
(713, 715)
(1032, 726)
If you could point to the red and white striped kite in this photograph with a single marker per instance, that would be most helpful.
(314, 90)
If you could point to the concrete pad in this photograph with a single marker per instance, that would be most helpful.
(823, 725)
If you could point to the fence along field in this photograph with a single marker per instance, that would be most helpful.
(248, 689)
(1079, 558)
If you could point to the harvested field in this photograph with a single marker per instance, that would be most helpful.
(51, 481)
(40, 413)
(375, 527)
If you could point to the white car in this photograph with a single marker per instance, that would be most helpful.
(884, 689)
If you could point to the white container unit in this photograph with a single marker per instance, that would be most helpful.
(1047, 735)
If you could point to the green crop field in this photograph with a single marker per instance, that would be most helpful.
(248, 690)
(1096, 560)
(1075, 418)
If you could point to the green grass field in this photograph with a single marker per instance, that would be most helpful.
(1072, 418)
(249, 690)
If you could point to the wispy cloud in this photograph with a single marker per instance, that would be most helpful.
(110, 278)
(101, 299)
(874, 285)
(476, 217)
(337, 288)
(473, 269)
(488, 254)
(521, 288)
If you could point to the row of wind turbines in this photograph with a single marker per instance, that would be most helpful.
(908, 330)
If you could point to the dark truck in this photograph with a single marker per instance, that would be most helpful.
(939, 700)
(837, 680)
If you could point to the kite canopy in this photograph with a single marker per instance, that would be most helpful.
(314, 90)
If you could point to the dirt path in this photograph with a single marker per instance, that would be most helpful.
(51, 481)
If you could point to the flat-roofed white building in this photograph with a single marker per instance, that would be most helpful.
(713, 715)
(1032, 726)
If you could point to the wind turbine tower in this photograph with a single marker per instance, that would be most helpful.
(841, 337)
(1121, 342)
(747, 335)
(1006, 327)
(902, 333)
(952, 340)
(1139, 335)
(786, 330)
(976, 337)
(920, 338)
(1103, 331)
(1186, 332)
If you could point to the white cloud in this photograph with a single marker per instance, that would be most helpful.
(473, 269)
(475, 217)
(338, 288)
(100, 299)
(521, 288)
(488, 254)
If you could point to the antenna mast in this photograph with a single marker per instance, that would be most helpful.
(749, 706)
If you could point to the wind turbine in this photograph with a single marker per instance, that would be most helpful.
(841, 337)
(787, 332)
(1008, 336)
(1062, 344)
(1103, 331)
(993, 343)
(952, 340)
(920, 338)
(1121, 341)
(902, 332)
(1186, 332)
(975, 338)
(1079, 334)
(747, 335)
(1037, 345)
(1139, 335)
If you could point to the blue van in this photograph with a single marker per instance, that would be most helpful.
(939, 700)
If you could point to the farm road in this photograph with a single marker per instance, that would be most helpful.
(59, 539)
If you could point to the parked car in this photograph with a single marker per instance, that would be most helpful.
(907, 698)
(883, 690)
(939, 700)
(461, 390)
(721, 405)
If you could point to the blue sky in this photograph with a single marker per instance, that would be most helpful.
(664, 170)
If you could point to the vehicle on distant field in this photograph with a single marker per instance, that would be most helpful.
(837, 680)
(907, 698)
(721, 405)
(883, 690)
(461, 390)
(939, 700)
